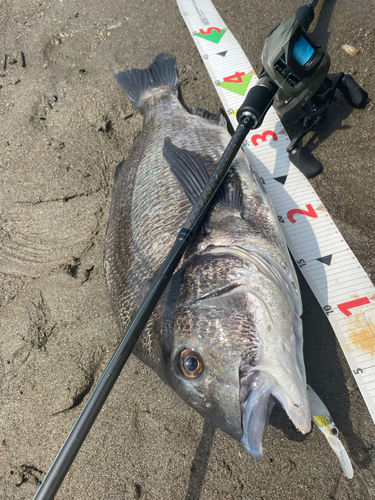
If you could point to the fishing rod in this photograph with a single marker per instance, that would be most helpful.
(305, 57)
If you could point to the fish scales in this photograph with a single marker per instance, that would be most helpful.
(226, 334)
(148, 209)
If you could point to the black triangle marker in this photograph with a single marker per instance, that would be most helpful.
(325, 260)
(281, 179)
(222, 54)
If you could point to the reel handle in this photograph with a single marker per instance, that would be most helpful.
(304, 160)
(353, 93)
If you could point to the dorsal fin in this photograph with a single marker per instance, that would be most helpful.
(212, 117)
(191, 170)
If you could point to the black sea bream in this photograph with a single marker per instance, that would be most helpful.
(227, 333)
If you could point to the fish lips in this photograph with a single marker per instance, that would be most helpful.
(256, 409)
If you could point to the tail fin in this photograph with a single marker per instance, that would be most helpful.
(136, 82)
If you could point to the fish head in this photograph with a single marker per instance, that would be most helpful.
(234, 355)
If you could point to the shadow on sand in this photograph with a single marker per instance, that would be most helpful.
(200, 462)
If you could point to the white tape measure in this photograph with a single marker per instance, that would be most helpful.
(340, 284)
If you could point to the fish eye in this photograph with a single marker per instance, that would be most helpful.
(190, 363)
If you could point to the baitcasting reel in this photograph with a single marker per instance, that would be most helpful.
(294, 79)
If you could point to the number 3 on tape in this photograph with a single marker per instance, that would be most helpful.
(263, 137)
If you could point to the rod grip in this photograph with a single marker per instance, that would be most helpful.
(258, 100)
(305, 15)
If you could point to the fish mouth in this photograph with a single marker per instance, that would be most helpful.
(262, 394)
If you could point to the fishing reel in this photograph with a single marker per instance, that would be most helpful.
(294, 79)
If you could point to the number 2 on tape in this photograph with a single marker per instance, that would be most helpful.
(310, 212)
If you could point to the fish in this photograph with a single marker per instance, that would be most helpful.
(226, 334)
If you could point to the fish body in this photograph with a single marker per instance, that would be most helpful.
(227, 333)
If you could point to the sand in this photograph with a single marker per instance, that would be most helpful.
(64, 126)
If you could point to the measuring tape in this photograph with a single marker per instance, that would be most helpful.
(338, 281)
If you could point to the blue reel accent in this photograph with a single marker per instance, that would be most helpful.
(302, 51)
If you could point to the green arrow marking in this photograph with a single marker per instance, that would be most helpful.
(238, 88)
(214, 36)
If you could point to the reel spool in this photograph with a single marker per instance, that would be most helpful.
(293, 61)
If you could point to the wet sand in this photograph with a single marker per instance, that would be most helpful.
(64, 126)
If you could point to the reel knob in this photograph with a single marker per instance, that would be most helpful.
(304, 160)
(353, 93)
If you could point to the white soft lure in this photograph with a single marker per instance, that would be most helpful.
(322, 418)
